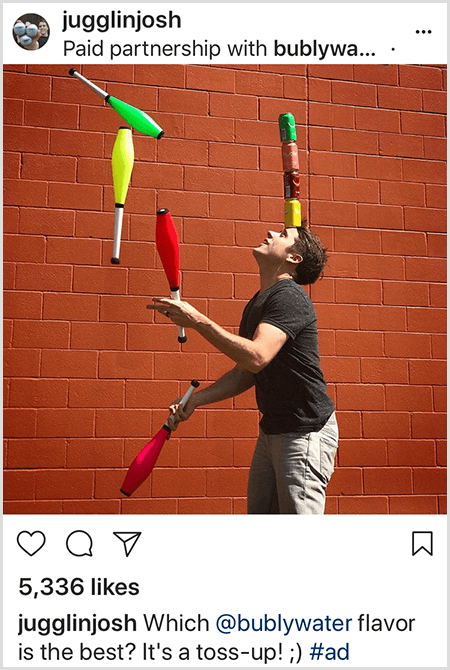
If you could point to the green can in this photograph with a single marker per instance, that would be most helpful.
(287, 127)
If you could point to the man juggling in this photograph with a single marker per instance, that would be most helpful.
(277, 352)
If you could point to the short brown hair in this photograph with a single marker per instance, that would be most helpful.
(314, 256)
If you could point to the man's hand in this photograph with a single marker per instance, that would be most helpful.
(179, 413)
(181, 313)
(34, 44)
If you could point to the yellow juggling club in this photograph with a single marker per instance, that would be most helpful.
(122, 167)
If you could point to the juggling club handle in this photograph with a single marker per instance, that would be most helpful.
(117, 234)
(194, 384)
(74, 73)
(175, 295)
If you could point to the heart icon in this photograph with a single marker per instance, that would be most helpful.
(31, 543)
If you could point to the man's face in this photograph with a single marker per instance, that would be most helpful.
(43, 28)
(275, 246)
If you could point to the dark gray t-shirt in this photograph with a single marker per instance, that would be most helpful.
(290, 391)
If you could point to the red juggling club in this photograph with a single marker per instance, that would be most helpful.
(145, 461)
(169, 252)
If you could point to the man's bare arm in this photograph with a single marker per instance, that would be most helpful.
(232, 383)
(251, 355)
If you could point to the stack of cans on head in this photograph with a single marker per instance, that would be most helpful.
(292, 207)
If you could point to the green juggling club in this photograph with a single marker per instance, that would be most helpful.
(136, 118)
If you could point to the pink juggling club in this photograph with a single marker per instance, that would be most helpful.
(169, 252)
(145, 461)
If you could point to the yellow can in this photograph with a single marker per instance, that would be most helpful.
(292, 213)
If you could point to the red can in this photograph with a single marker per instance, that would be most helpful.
(290, 156)
(291, 186)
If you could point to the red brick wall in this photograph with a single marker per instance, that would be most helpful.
(90, 372)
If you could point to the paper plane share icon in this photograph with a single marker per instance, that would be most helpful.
(129, 540)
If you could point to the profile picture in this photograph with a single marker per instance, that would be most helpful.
(31, 31)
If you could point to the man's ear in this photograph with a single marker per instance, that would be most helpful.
(294, 258)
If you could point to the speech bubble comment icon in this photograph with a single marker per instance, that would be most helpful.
(79, 543)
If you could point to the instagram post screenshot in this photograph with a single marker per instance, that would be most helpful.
(224, 320)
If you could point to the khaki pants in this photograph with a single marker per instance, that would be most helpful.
(290, 472)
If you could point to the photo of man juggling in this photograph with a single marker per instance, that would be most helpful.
(277, 352)
(144, 207)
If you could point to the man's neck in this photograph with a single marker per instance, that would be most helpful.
(268, 279)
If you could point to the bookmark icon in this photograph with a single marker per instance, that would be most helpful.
(422, 541)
